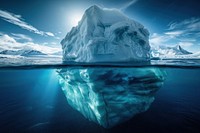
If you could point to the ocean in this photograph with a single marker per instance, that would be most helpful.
(32, 100)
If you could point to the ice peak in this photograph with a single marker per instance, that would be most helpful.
(178, 47)
(106, 35)
(104, 15)
(183, 51)
(94, 8)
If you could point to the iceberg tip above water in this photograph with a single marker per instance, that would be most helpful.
(106, 35)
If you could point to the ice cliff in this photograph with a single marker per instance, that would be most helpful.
(109, 96)
(106, 35)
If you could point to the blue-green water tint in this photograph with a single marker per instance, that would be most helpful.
(32, 101)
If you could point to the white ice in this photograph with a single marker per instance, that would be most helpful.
(106, 35)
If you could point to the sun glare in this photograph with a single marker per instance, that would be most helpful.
(75, 18)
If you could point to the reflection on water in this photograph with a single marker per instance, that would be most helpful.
(109, 96)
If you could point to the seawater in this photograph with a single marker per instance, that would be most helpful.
(31, 100)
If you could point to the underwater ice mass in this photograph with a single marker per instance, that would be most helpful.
(108, 96)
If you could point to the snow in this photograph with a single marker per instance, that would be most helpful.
(109, 96)
(13, 46)
(188, 56)
(2, 56)
(29, 56)
(194, 55)
(106, 35)
(39, 60)
(175, 52)
(22, 52)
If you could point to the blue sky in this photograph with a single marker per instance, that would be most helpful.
(46, 22)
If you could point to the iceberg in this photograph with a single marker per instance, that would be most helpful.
(106, 35)
(110, 96)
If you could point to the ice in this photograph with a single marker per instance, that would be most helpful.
(16, 61)
(165, 52)
(109, 96)
(106, 35)
(11, 46)
(22, 52)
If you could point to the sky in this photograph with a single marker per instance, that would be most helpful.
(46, 22)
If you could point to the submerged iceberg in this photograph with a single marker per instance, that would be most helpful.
(109, 96)
(106, 35)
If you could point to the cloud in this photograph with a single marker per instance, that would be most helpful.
(19, 21)
(52, 44)
(186, 28)
(192, 24)
(185, 44)
(21, 37)
(170, 40)
(10, 43)
(49, 34)
(6, 39)
(185, 33)
(174, 33)
(58, 38)
(159, 39)
(124, 7)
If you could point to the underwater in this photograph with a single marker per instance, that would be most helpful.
(32, 100)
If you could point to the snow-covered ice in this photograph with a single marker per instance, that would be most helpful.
(106, 35)
(175, 52)
(29, 52)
